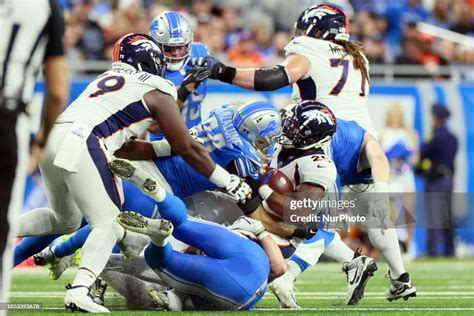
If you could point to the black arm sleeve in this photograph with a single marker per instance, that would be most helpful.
(269, 79)
(55, 31)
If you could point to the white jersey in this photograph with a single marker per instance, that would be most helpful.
(332, 82)
(113, 106)
(317, 169)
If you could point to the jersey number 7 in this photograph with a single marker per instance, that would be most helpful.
(342, 81)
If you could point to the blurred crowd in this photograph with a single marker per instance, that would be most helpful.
(255, 32)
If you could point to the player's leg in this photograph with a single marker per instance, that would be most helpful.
(376, 211)
(228, 284)
(94, 190)
(30, 246)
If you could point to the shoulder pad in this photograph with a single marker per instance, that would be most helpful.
(305, 46)
(163, 85)
(317, 169)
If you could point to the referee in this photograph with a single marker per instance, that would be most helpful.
(32, 32)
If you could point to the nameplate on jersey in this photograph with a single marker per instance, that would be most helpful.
(72, 147)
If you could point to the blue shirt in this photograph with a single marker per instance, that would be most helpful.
(345, 148)
(191, 111)
(225, 145)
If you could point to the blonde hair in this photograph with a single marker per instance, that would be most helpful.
(356, 51)
(395, 110)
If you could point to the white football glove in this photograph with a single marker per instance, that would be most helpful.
(244, 223)
(237, 189)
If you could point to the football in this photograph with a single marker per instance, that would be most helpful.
(279, 182)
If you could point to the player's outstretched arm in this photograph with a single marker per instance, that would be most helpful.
(261, 79)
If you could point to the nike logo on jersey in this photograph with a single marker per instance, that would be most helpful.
(321, 166)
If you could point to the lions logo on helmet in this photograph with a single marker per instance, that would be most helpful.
(260, 124)
(175, 36)
(306, 125)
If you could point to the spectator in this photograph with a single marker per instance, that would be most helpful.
(245, 54)
(410, 52)
(439, 153)
(375, 49)
(92, 41)
(464, 23)
(440, 14)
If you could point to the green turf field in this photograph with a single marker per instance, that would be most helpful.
(444, 287)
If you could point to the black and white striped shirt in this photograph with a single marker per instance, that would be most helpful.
(31, 31)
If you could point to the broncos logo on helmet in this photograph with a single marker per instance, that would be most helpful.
(140, 51)
(323, 21)
(308, 124)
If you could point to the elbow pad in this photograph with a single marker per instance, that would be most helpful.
(268, 79)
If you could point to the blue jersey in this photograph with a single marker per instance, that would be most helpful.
(191, 110)
(345, 148)
(225, 145)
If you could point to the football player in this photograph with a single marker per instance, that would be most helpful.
(236, 138)
(175, 36)
(321, 64)
(361, 165)
(121, 103)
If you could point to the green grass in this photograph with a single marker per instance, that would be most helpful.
(445, 286)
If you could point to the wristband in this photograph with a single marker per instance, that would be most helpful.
(220, 177)
(162, 148)
(226, 74)
(381, 187)
(262, 234)
(265, 191)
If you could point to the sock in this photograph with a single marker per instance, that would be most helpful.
(173, 209)
(30, 246)
(338, 250)
(386, 242)
(75, 242)
(156, 256)
(96, 252)
(294, 269)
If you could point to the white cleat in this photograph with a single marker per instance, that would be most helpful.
(44, 257)
(358, 272)
(79, 299)
(400, 288)
(282, 288)
(158, 229)
(132, 244)
(57, 268)
(126, 169)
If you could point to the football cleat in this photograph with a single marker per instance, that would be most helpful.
(126, 169)
(79, 299)
(158, 229)
(400, 288)
(100, 288)
(358, 272)
(166, 300)
(283, 290)
(58, 267)
(44, 257)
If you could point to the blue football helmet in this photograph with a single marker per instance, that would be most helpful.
(260, 124)
(175, 35)
(140, 51)
(324, 21)
(306, 125)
